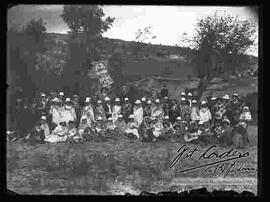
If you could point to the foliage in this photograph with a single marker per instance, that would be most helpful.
(222, 39)
(225, 34)
(23, 45)
(86, 24)
(37, 29)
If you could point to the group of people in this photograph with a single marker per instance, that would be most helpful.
(64, 118)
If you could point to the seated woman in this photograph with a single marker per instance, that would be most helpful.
(132, 128)
(179, 127)
(192, 133)
(45, 127)
(59, 134)
(157, 127)
(100, 127)
(84, 129)
(73, 134)
(167, 130)
(39, 132)
(110, 124)
(120, 124)
(146, 130)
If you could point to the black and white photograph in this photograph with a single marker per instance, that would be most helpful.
(132, 100)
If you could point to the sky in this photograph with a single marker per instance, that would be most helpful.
(168, 23)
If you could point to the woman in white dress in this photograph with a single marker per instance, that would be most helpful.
(138, 112)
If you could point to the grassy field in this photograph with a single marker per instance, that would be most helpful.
(111, 167)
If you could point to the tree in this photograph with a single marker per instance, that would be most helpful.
(143, 36)
(36, 29)
(222, 38)
(23, 46)
(86, 24)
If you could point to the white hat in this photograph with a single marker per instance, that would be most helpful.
(183, 93)
(200, 122)
(166, 117)
(246, 108)
(43, 95)
(183, 99)
(227, 120)
(67, 99)
(43, 118)
(166, 97)
(55, 99)
(189, 94)
(226, 97)
(126, 99)
(75, 95)
(120, 116)
(194, 101)
(149, 102)
(213, 98)
(179, 118)
(235, 94)
(138, 102)
(203, 102)
(107, 99)
(61, 93)
(84, 117)
(87, 99)
(117, 99)
(157, 101)
(109, 119)
(131, 116)
(143, 99)
(99, 101)
(99, 118)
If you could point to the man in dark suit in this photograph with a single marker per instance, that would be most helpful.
(164, 91)
(108, 107)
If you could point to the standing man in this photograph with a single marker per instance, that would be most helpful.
(148, 108)
(174, 111)
(116, 110)
(100, 111)
(127, 109)
(165, 106)
(164, 91)
(61, 97)
(76, 106)
(189, 99)
(184, 108)
(88, 112)
(108, 107)
(143, 102)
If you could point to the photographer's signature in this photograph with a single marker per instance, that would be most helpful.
(221, 160)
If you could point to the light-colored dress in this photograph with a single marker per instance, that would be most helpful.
(59, 134)
(132, 127)
(116, 112)
(88, 112)
(205, 115)
(56, 111)
(68, 114)
(138, 115)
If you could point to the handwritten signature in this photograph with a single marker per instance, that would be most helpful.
(227, 168)
(186, 152)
